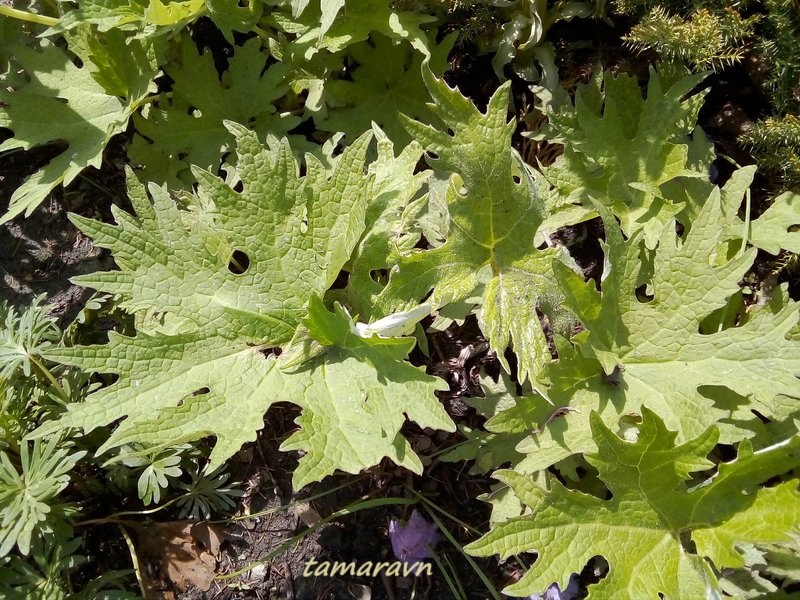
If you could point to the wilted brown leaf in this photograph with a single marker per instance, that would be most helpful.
(185, 552)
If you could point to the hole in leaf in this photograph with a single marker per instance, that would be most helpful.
(615, 378)
(516, 179)
(239, 262)
(432, 155)
(239, 187)
(642, 294)
(726, 452)
(379, 276)
(599, 568)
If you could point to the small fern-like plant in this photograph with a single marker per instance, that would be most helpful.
(775, 143)
(158, 470)
(24, 336)
(29, 492)
(708, 39)
(207, 493)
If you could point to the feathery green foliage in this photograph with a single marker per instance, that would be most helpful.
(779, 49)
(28, 493)
(775, 143)
(707, 39)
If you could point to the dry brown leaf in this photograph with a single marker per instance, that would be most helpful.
(184, 551)
(306, 513)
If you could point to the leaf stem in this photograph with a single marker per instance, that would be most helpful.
(134, 559)
(746, 232)
(51, 378)
(28, 17)
(260, 33)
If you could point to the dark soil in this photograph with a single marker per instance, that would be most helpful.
(39, 254)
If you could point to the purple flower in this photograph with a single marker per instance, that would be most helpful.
(413, 540)
(554, 592)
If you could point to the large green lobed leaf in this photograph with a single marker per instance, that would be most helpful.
(621, 150)
(494, 214)
(639, 530)
(650, 352)
(202, 362)
(187, 126)
(57, 101)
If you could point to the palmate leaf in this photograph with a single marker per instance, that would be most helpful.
(650, 352)
(356, 393)
(391, 222)
(355, 396)
(130, 14)
(61, 102)
(772, 230)
(639, 530)
(315, 60)
(621, 149)
(385, 84)
(201, 365)
(187, 126)
(331, 29)
(493, 220)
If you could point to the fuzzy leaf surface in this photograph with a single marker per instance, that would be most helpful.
(493, 220)
(621, 149)
(199, 367)
(651, 353)
(639, 529)
(188, 127)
